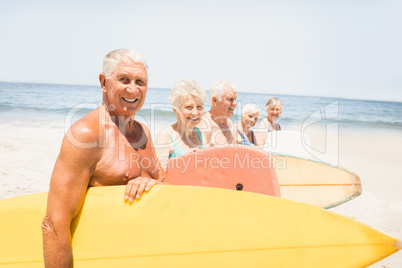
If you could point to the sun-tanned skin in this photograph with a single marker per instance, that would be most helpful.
(105, 147)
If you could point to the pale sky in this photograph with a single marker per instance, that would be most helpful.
(334, 48)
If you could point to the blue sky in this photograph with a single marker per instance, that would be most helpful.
(346, 49)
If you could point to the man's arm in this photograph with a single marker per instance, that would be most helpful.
(68, 185)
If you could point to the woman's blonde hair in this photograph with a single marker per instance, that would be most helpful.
(182, 89)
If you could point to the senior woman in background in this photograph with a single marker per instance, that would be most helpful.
(269, 124)
(187, 99)
(274, 109)
(250, 114)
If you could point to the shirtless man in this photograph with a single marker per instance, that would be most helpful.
(222, 97)
(105, 147)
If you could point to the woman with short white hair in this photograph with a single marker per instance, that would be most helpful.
(250, 114)
(187, 99)
(274, 109)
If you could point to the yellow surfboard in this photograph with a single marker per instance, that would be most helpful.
(315, 183)
(187, 226)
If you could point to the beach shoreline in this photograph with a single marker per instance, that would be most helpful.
(29, 151)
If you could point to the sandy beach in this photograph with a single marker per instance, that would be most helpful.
(28, 153)
(376, 157)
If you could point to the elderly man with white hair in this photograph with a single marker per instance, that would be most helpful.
(220, 129)
(105, 147)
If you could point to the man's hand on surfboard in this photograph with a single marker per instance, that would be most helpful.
(137, 186)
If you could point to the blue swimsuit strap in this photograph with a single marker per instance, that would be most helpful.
(199, 136)
(179, 151)
(270, 130)
(176, 149)
(252, 137)
(245, 141)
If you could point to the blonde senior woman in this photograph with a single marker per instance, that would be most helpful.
(250, 116)
(187, 98)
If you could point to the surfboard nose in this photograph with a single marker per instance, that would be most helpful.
(398, 245)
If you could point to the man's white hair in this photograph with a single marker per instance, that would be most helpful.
(218, 89)
(113, 58)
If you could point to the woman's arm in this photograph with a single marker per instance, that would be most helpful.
(163, 147)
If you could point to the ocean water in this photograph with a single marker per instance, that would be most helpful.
(49, 104)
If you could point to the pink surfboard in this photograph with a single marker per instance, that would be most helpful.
(235, 168)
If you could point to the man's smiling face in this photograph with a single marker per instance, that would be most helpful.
(227, 104)
(125, 90)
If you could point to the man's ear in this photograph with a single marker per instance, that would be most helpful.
(102, 80)
(214, 99)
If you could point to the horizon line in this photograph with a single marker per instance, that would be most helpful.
(255, 93)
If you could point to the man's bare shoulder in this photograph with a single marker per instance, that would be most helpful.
(229, 122)
(208, 115)
(209, 122)
(86, 129)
